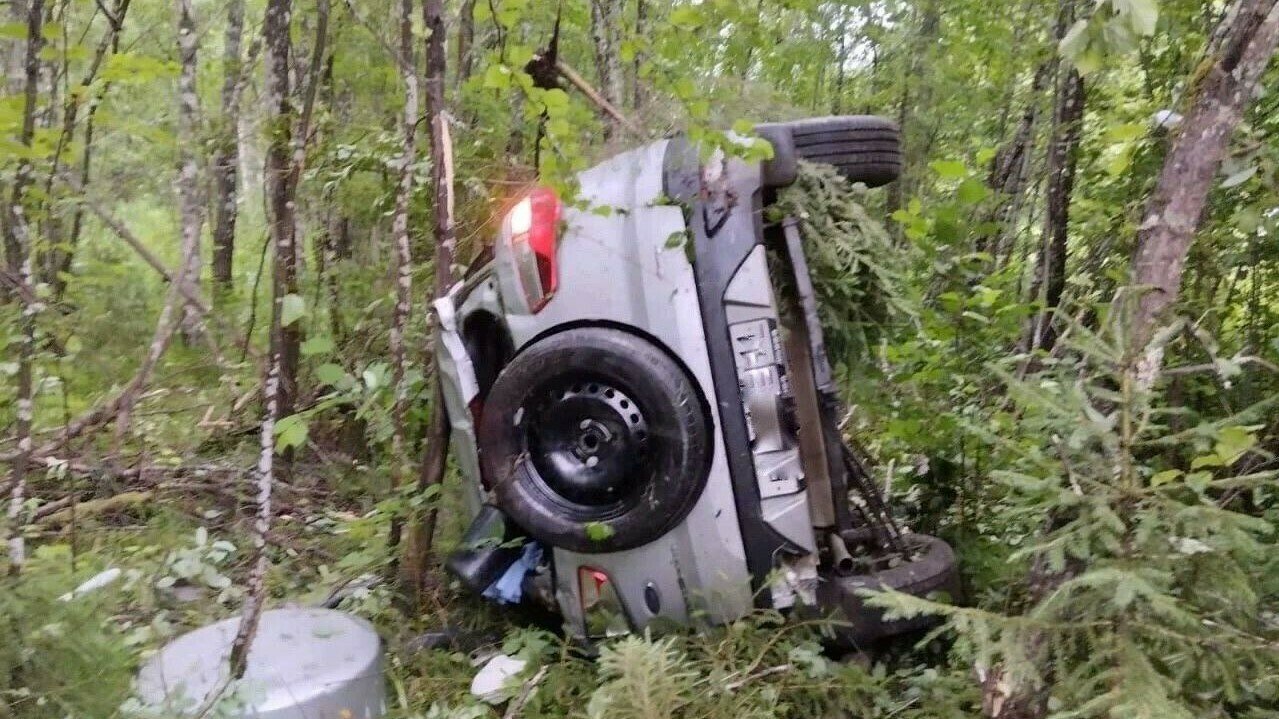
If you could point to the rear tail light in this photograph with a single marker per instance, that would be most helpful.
(601, 607)
(532, 231)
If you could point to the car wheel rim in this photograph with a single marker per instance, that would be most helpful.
(588, 441)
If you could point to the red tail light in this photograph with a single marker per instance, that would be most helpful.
(532, 229)
(601, 608)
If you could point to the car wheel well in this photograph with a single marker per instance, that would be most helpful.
(489, 345)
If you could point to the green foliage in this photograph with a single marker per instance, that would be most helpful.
(1151, 573)
(58, 659)
(1114, 27)
(642, 680)
(852, 259)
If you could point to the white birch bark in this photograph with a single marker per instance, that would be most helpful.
(403, 247)
(18, 247)
(192, 206)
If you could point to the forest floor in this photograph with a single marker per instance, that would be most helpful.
(183, 550)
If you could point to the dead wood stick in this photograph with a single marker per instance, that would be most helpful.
(95, 506)
(594, 96)
(517, 704)
(734, 686)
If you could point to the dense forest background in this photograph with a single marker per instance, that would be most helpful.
(224, 222)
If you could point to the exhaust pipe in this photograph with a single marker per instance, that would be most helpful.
(484, 553)
(841, 559)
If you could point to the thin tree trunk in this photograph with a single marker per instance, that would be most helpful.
(637, 82)
(276, 32)
(14, 82)
(1063, 158)
(281, 198)
(15, 222)
(1240, 53)
(403, 255)
(192, 206)
(16, 232)
(916, 93)
(605, 19)
(465, 41)
(417, 547)
(15, 55)
(1010, 168)
(256, 594)
(1049, 280)
(226, 158)
(842, 58)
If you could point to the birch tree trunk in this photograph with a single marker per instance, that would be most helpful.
(15, 223)
(403, 253)
(226, 158)
(14, 56)
(605, 21)
(1227, 82)
(192, 207)
(256, 589)
(274, 394)
(18, 250)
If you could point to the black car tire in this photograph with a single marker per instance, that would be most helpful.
(932, 571)
(651, 440)
(863, 148)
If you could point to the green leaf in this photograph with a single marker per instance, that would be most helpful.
(1126, 132)
(1233, 443)
(687, 17)
(292, 309)
(13, 31)
(555, 100)
(1164, 477)
(330, 373)
(744, 127)
(1199, 481)
(131, 68)
(949, 169)
(318, 345)
(1207, 460)
(1239, 177)
(972, 191)
(598, 532)
(1089, 61)
(290, 432)
(497, 77)
(1142, 15)
(1076, 41)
